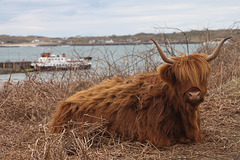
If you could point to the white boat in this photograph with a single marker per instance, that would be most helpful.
(49, 61)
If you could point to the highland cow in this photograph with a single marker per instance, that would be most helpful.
(161, 107)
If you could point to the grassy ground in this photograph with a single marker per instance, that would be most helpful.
(26, 108)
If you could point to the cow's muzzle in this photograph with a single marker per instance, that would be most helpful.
(193, 96)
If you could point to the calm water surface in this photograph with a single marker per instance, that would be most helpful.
(110, 52)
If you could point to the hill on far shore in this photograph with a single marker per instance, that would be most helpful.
(193, 36)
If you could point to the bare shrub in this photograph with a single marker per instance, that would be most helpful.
(226, 66)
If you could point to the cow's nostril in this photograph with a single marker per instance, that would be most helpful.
(190, 94)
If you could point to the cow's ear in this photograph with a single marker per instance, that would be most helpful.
(167, 74)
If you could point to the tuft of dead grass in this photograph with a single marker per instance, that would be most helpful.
(26, 108)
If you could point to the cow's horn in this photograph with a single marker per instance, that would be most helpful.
(217, 50)
(164, 57)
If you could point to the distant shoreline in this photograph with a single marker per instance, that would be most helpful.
(84, 44)
(192, 37)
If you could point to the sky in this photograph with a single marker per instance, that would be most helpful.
(67, 18)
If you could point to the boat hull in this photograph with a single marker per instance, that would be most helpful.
(54, 68)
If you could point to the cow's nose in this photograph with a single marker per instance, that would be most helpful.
(194, 95)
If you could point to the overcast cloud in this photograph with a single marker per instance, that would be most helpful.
(65, 18)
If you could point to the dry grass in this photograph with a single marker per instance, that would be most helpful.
(26, 108)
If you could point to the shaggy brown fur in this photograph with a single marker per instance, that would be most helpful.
(146, 107)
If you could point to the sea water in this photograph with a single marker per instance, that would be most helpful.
(109, 53)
